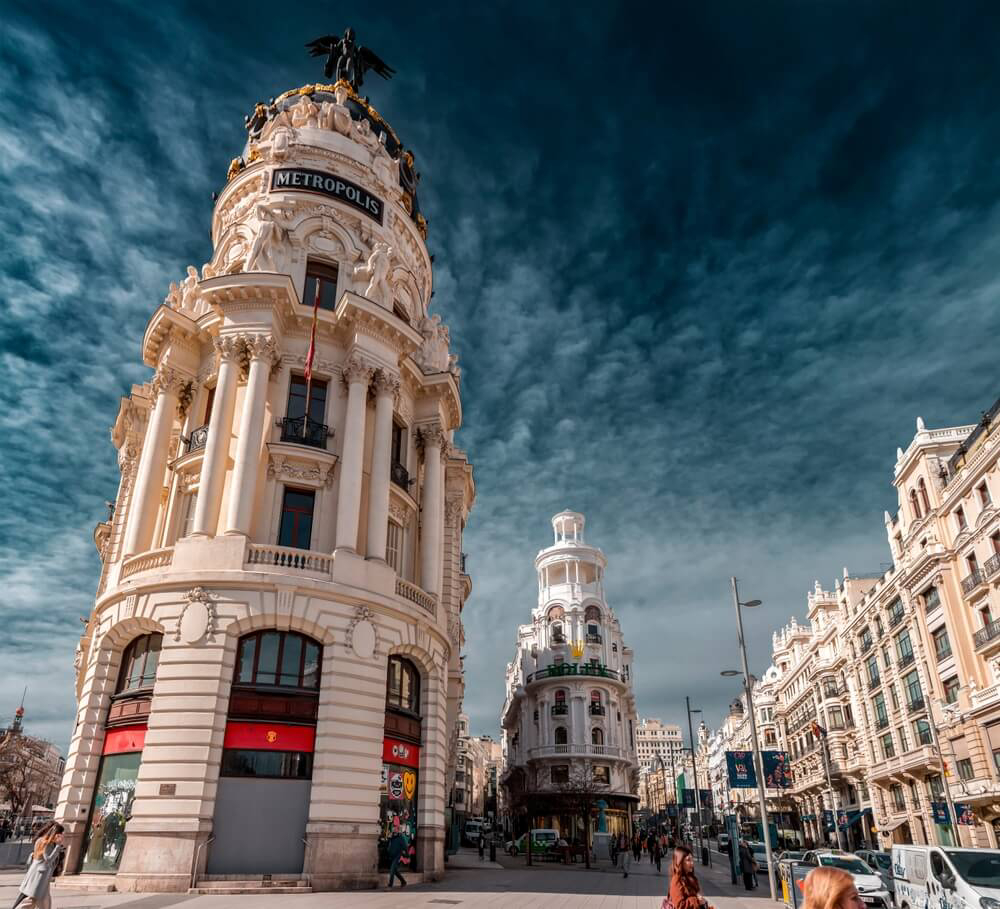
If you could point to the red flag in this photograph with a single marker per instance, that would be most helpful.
(312, 336)
(817, 730)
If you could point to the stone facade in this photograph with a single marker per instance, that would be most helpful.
(260, 504)
(569, 718)
(895, 680)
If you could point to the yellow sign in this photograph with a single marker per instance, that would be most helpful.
(409, 784)
(271, 736)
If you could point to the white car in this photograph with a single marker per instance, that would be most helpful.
(945, 878)
(871, 887)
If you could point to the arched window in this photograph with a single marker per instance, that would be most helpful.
(403, 686)
(560, 695)
(596, 707)
(596, 736)
(592, 614)
(561, 737)
(283, 659)
(557, 633)
(139, 664)
(914, 505)
(922, 486)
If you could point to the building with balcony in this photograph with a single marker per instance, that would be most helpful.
(270, 678)
(894, 684)
(569, 718)
(655, 740)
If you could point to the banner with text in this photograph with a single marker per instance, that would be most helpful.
(777, 770)
(741, 772)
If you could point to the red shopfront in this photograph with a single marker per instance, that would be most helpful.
(399, 791)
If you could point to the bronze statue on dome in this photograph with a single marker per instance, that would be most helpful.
(347, 60)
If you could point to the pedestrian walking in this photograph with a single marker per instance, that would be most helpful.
(626, 855)
(685, 891)
(482, 845)
(44, 859)
(396, 850)
(830, 888)
(650, 841)
(657, 855)
(748, 865)
(637, 847)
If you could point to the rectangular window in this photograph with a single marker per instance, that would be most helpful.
(324, 276)
(951, 687)
(901, 735)
(209, 401)
(996, 760)
(560, 774)
(297, 398)
(964, 768)
(296, 518)
(898, 799)
(911, 682)
(872, 667)
(887, 750)
(187, 514)
(881, 715)
(942, 646)
(932, 598)
(394, 546)
(922, 732)
(984, 494)
(895, 613)
(904, 647)
(935, 786)
(277, 765)
(960, 518)
(893, 696)
(865, 640)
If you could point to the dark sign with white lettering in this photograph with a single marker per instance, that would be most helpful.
(300, 179)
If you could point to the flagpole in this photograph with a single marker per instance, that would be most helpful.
(829, 785)
(310, 356)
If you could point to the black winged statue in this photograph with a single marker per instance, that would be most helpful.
(346, 60)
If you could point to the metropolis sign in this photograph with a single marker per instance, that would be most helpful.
(301, 179)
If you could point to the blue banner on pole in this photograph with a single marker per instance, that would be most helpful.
(688, 800)
(671, 811)
(965, 815)
(939, 812)
(705, 795)
(741, 771)
(777, 770)
(828, 820)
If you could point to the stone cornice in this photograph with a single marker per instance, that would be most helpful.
(166, 324)
(245, 291)
(441, 385)
(366, 317)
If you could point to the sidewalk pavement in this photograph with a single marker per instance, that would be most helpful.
(468, 860)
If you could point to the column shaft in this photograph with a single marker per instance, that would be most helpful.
(378, 491)
(357, 376)
(152, 464)
(247, 465)
(432, 508)
(220, 426)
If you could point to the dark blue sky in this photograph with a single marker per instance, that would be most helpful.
(704, 266)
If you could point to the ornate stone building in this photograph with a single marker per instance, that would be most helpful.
(270, 678)
(569, 719)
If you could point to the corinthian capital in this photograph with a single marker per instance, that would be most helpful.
(261, 347)
(385, 384)
(430, 434)
(168, 381)
(228, 347)
(356, 369)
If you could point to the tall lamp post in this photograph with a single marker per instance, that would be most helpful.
(697, 793)
(663, 779)
(758, 762)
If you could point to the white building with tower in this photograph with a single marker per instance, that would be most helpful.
(569, 718)
(270, 678)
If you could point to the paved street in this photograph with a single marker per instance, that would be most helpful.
(539, 887)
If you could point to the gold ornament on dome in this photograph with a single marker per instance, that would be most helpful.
(408, 202)
(253, 156)
(422, 225)
(235, 166)
(352, 94)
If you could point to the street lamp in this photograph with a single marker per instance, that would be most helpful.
(758, 762)
(705, 857)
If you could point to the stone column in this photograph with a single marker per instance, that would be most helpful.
(213, 465)
(432, 509)
(241, 499)
(145, 504)
(357, 374)
(386, 389)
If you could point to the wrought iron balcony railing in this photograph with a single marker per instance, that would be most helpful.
(915, 705)
(991, 566)
(399, 475)
(594, 639)
(987, 633)
(905, 660)
(972, 581)
(597, 710)
(304, 431)
(560, 709)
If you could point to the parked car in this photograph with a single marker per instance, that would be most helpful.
(871, 887)
(938, 878)
(789, 856)
(542, 839)
(882, 863)
(470, 833)
(724, 843)
(760, 856)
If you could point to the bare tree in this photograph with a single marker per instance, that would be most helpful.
(26, 777)
(580, 793)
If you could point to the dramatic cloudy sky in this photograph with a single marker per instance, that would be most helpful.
(703, 267)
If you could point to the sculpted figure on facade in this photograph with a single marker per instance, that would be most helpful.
(271, 247)
(305, 114)
(433, 355)
(189, 289)
(376, 270)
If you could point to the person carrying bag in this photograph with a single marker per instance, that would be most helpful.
(45, 857)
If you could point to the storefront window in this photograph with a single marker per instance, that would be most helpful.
(105, 839)
(398, 798)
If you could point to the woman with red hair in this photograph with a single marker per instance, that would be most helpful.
(685, 891)
(830, 888)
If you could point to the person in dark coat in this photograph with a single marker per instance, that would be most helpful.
(396, 850)
(44, 860)
(748, 865)
(657, 854)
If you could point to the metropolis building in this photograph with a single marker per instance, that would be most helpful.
(270, 680)
(569, 718)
